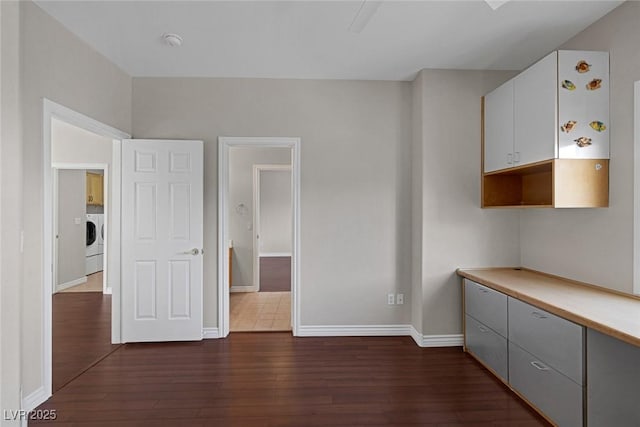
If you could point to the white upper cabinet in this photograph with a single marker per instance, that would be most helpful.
(583, 100)
(535, 101)
(498, 128)
(557, 108)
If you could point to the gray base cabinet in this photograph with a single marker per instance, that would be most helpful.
(486, 326)
(540, 355)
(550, 391)
(487, 345)
(613, 379)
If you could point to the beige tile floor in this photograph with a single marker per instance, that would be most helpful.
(93, 284)
(260, 311)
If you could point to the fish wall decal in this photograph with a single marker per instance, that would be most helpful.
(594, 84)
(568, 127)
(568, 84)
(583, 67)
(598, 126)
(583, 141)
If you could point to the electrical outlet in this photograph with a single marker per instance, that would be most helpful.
(391, 299)
(400, 299)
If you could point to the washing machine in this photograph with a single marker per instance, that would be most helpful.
(95, 243)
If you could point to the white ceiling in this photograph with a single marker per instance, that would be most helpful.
(311, 39)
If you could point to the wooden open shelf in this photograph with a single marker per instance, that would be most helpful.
(557, 183)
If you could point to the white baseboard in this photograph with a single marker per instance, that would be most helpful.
(71, 284)
(34, 399)
(210, 333)
(354, 330)
(251, 288)
(452, 340)
(275, 254)
(108, 291)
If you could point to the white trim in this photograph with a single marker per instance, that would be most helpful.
(35, 399)
(71, 284)
(52, 110)
(636, 189)
(354, 330)
(210, 333)
(274, 254)
(224, 143)
(257, 170)
(239, 288)
(451, 340)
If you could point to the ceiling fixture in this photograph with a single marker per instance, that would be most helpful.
(494, 4)
(172, 40)
(363, 16)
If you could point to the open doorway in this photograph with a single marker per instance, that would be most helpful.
(260, 235)
(258, 272)
(81, 300)
(80, 328)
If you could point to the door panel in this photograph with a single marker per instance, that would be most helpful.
(162, 237)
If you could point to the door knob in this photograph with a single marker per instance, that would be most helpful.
(193, 251)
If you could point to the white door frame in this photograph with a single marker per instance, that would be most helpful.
(257, 169)
(224, 144)
(51, 110)
(107, 204)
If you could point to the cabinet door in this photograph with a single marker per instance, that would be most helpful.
(498, 128)
(95, 193)
(98, 193)
(89, 188)
(583, 103)
(535, 112)
(613, 381)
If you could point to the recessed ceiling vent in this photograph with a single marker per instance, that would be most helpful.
(172, 40)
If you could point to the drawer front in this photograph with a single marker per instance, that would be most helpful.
(486, 305)
(553, 339)
(487, 345)
(553, 393)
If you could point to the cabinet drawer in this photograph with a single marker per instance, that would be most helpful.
(487, 346)
(550, 391)
(553, 339)
(486, 305)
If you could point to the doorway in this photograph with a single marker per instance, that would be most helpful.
(102, 155)
(238, 212)
(81, 300)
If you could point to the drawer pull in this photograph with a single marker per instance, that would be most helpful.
(484, 291)
(483, 329)
(539, 366)
(538, 315)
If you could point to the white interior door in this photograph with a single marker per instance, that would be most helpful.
(162, 237)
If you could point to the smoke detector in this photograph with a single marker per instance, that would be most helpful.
(172, 40)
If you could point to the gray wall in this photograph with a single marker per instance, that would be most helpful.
(10, 207)
(355, 179)
(71, 236)
(58, 66)
(241, 161)
(455, 231)
(276, 223)
(596, 245)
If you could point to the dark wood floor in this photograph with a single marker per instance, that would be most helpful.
(274, 379)
(275, 274)
(81, 333)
